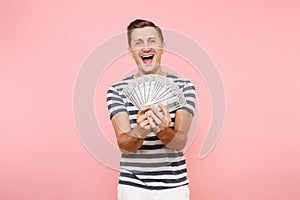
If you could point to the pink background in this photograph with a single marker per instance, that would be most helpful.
(254, 44)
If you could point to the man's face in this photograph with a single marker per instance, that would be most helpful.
(146, 48)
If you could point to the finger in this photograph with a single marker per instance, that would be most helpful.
(141, 118)
(142, 110)
(144, 123)
(164, 109)
(165, 113)
(162, 120)
(154, 127)
(157, 112)
(148, 112)
(148, 127)
(157, 120)
(151, 122)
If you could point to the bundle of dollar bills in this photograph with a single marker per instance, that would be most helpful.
(152, 89)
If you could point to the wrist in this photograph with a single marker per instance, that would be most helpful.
(166, 135)
(129, 143)
(138, 132)
(134, 134)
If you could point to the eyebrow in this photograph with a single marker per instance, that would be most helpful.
(139, 39)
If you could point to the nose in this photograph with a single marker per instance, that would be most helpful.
(146, 47)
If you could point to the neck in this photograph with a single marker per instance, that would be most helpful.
(141, 73)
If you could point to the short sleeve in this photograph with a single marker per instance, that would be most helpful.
(114, 102)
(190, 97)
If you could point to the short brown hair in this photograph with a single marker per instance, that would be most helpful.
(141, 23)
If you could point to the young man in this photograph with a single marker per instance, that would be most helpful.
(152, 163)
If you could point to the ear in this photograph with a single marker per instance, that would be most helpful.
(163, 47)
(130, 52)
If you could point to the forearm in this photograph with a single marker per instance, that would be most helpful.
(130, 141)
(173, 139)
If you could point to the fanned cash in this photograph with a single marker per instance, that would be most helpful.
(153, 89)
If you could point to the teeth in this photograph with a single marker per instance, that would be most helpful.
(147, 56)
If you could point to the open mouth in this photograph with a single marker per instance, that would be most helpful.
(147, 59)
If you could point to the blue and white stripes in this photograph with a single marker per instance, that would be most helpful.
(154, 165)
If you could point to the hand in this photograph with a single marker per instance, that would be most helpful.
(159, 119)
(143, 127)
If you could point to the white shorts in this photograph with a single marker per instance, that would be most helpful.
(126, 192)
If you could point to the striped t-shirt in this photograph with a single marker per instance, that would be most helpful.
(154, 165)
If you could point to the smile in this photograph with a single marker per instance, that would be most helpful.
(147, 59)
